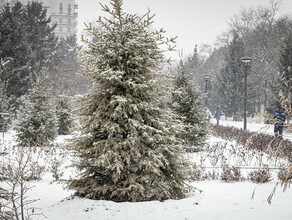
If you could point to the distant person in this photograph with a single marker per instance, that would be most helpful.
(208, 114)
(280, 118)
(217, 115)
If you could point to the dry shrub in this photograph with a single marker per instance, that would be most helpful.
(213, 175)
(197, 174)
(215, 152)
(5, 212)
(56, 168)
(260, 176)
(35, 171)
(255, 141)
(200, 174)
(17, 170)
(231, 174)
(284, 175)
(55, 160)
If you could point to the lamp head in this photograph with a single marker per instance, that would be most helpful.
(206, 76)
(246, 61)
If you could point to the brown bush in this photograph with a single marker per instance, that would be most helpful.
(231, 174)
(260, 176)
(253, 140)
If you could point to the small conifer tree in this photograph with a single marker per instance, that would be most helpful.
(36, 123)
(3, 102)
(126, 146)
(186, 102)
(3, 108)
(229, 83)
(64, 115)
(4, 194)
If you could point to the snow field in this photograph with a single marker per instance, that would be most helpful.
(218, 199)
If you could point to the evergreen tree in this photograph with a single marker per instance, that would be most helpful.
(211, 66)
(186, 102)
(13, 47)
(4, 194)
(3, 108)
(127, 149)
(36, 119)
(28, 41)
(3, 103)
(194, 61)
(40, 37)
(64, 115)
(66, 66)
(229, 87)
(282, 84)
(285, 67)
(193, 66)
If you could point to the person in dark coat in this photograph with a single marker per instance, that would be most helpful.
(217, 115)
(280, 118)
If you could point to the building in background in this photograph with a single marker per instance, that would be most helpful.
(63, 13)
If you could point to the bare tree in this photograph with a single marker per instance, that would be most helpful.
(17, 170)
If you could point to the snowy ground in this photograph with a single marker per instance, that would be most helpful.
(218, 200)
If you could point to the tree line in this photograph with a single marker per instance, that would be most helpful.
(35, 56)
(261, 33)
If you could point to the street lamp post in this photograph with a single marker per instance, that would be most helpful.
(246, 61)
(206, 77)
(265, 101)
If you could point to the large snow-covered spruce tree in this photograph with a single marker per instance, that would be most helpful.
(126, 148)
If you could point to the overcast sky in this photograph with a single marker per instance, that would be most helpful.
(193, 21)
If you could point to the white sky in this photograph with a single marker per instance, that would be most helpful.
(193, 21)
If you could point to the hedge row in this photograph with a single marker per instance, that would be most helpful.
(255, 140)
